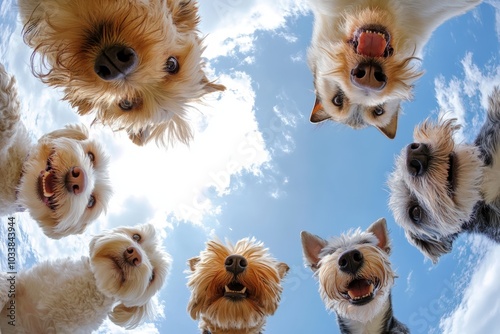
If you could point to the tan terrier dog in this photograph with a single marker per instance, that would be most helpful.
(355, 278)
(363, 56)
(62, 180)
(441, 188)
(234, 287)
(137, 63)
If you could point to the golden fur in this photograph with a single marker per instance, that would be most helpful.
(208, 279)
(149, 102)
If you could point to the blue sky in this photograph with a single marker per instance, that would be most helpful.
(257, 167)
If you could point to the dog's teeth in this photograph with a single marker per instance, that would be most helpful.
(243, 290)
(227, 289)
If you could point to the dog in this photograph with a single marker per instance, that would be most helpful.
(137, 63)
(355, 278)
(440, 188)
(364, 54)
(125, 269)
(234, 288)
(62, 180)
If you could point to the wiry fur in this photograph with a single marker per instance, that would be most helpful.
(22, 162)
(333, 57)
(69, 35)
(448, 199)
(207, 280)
(75, 296)
(324, 258)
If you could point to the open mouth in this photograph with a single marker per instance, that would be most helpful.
(361, 291)
(235, 291)
(451, 179)
(372, 41)
(47, 185)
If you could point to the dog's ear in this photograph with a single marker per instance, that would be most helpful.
(140, 138)
(311, 247)
(283, 269)
(379, 229)
(210, 86)
(72, 131)
(192, 263)
(184, 15)
(131, 317)
(432, 248)
(318, 113)
(391, 128)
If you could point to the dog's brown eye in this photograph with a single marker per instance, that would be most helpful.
(338, 100)
(136, 237)
(152, 278)
(172, 65)
(126, 105)
(378, 111)
(91, 202)
(91, 156)
(416, 213)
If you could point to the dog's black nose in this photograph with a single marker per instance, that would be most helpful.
(350, 261)
(115, 62)
(236, 264)
(368, 76)
(417, 158)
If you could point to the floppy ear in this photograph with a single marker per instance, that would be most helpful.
(131, 317)
(184, 15)
(379, 229)
(390, 129)
(72, 131)
(318, 113)
(432, 248)
(311, 247)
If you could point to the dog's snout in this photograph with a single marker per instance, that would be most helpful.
(417, 158)
(368, 76)
(132, 256)
(115, 62)
(76, 180)
(350, 261)
(236, 264)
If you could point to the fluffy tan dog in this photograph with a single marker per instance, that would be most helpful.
(363, 54)
(234, 287)
(136, 63)
(62, 180)
(126, 268)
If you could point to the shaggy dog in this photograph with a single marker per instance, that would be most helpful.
(363, 54)
(126, 268)
(234, 287)
(136, 63)
(62, 180)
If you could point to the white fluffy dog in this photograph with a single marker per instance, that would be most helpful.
(62, 180)
(126, 268)
(362, 56)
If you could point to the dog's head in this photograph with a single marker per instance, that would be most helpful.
(362, 70)
(137, 63)
(234, 286)
(434, 187)
(354, 271)
(65, 183)
(130, 265)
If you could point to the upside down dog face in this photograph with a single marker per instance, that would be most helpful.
(362, 70)
(136, 63)
(130, 265)
(434, 186)
(234, 287)
(354, 271)
(65, 183)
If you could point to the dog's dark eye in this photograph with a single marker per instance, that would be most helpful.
(91, 202)
(126, 105)
(338, 100)
(91, 156)
(415, 213)
(172, 65)
(378, 111)
(152, 278)
(136, 237)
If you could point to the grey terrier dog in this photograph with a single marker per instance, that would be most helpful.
(441, 188)
(355, 278)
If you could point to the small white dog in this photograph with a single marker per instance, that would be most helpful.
(126, 268)
(362, 56)
(62, 180)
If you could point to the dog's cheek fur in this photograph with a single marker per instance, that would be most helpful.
(131, 317)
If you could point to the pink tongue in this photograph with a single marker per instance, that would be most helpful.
(371, 44)
(359, 288)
